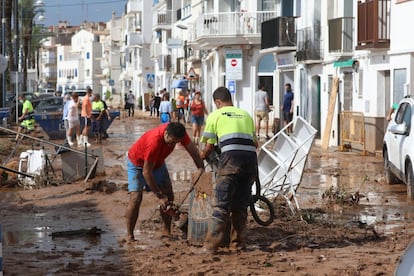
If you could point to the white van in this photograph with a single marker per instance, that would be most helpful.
(81, 93)
(47, 91)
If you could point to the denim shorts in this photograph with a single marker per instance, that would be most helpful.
(136, 180)
(198, 120)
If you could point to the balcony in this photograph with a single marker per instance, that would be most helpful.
(374, 24)
(309, 45)
(162, 19)
(134, 40)
(279, 35)
(341, 32)
(227, 28)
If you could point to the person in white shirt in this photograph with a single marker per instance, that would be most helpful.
(262, 110)
(73, 120)
(165, 109)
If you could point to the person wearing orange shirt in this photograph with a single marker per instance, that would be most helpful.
(86, 114)
(180, 106)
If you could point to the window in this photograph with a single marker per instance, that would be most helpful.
(88, 55)
(403, 115)
(400, 80)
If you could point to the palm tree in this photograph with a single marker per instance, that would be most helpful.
(29, 10)
(8, 40)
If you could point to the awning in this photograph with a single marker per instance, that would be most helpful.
(344, 63)
(181, 83)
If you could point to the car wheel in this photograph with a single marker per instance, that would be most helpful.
(390, 178)
(410, 180)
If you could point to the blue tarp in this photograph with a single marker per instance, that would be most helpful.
(182, 83)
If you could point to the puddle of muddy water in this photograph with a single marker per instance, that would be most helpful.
(381, 205)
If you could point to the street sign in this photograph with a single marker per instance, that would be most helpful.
(111, 82)
(150, 78)
(234, 64)
(191, 74)
(231, 86)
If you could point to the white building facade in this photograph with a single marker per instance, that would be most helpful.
(77, 65)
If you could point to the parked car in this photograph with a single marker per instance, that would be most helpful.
(33, 98)
(398, 149)
(50, 104)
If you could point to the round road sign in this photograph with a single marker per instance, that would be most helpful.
(234, 62)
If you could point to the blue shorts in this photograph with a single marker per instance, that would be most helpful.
(198, 120)
(165, 118)
(136, 181)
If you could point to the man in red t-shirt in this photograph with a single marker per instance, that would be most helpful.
(146, 169)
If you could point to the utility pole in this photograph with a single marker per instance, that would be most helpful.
(3, 52)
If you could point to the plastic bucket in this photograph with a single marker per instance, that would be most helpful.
(200, 208)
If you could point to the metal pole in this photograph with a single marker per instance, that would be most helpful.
(3, 49)
(17, 96)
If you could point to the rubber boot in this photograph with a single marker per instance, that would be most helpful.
(79, 140)
(238, 230)
(70, 142)
(85, 141)
(215, 235)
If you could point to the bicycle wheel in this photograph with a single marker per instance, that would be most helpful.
(262, 210)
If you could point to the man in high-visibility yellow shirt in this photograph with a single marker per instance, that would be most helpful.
(233, 130)
(26, 120)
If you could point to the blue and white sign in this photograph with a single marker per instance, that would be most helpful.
(231, 86)
(150, 78)
(111, 82)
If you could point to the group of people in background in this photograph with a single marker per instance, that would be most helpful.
(187, 107)
(93, 112)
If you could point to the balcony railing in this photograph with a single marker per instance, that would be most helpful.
(309, 44)
(231, 23)
(341, 32)
(134, 39)
(162, 18)
(374, 24)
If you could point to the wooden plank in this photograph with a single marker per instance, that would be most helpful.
(329, 117)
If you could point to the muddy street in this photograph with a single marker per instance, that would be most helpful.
(351, 223)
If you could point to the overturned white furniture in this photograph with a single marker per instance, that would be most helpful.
(32, 162)
(281, 161)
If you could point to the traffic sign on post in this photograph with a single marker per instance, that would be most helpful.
(231, 86)
(191, 74)
(150, 78)
(234, 65)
